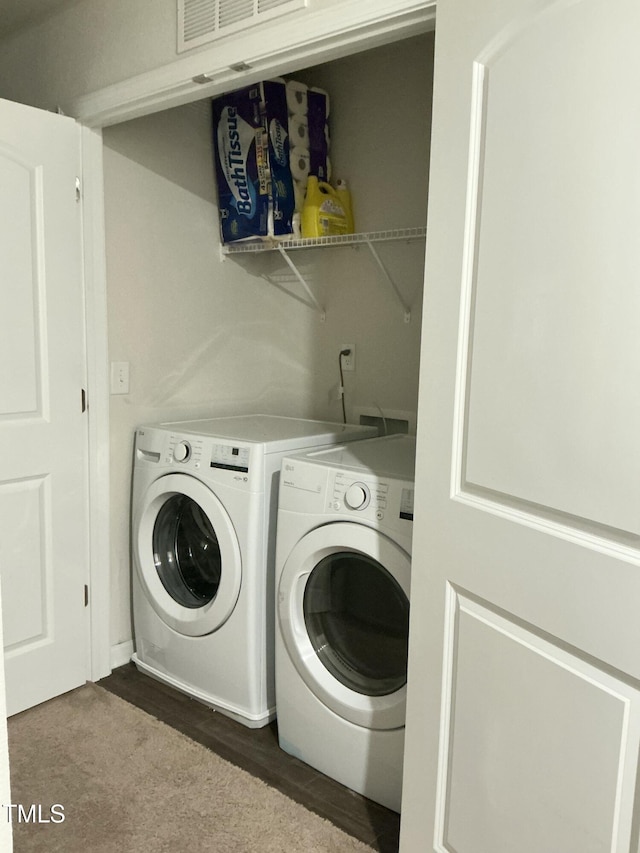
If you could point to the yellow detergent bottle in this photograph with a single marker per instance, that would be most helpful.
(345, 200)
(322, 213)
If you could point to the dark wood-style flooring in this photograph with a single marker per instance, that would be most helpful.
(257, 752)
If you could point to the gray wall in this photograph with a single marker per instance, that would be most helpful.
(84, 47)
(91, 44)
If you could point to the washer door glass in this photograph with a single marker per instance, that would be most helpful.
(186, 552)
(357, 618)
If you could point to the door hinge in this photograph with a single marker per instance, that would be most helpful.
(83, 400)
(86, 595)
(78, 190)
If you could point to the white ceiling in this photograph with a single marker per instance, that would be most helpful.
(15, 14)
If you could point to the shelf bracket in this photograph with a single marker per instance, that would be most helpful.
(303, 282)
(390, 281)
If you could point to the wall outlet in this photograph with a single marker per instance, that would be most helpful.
(348, 361)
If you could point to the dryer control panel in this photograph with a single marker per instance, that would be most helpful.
(370, 497)
(341, 493)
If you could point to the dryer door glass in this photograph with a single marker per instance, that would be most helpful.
(186, 552)
(357, 618)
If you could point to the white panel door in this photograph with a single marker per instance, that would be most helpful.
(523, 718)
(43, 430)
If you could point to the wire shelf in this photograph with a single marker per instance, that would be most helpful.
(274, 245)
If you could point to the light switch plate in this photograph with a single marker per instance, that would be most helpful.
(119, 377)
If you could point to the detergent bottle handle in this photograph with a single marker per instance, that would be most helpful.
(326, 188)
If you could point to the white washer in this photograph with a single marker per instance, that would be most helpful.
(204, 508)
(343, 563)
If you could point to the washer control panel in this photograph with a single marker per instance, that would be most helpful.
(184, 451)
(192, 453)
(230, 457)
(227, 457)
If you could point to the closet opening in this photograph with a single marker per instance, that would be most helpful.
(208, 335)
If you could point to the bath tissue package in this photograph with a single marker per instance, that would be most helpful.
(317, 120)
(309, 135)
(282, 197)
(268, 139)
(251, 143)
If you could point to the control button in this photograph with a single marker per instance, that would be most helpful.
(336, 505)
(379, 515)
(182, 451)
(357, 496)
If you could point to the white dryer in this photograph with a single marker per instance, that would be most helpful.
(204, 505)
(343, 565)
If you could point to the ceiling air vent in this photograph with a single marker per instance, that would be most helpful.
(203, 21)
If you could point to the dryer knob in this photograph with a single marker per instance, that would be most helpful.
(182, 451)
(356, 496)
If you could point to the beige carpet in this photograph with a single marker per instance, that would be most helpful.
(131, 784)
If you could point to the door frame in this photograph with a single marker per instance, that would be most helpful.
(97, 355)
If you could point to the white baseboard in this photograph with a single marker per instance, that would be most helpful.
(121, 654)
